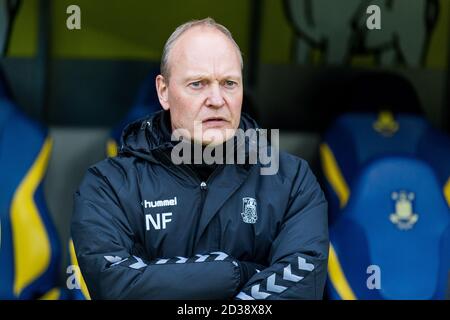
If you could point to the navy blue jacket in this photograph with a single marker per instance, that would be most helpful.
(144, 228)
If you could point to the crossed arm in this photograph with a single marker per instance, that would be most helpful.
(113, 268)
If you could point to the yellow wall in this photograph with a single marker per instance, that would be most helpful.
(116, 29)
(24, 33)
(137, 29)
(437, 56)
(276, 34)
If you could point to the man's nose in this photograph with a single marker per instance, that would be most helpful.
(215, 98)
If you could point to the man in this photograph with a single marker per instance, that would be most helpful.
(146, 226)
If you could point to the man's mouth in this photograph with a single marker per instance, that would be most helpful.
(214, 122)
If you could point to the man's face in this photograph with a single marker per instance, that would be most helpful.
(204, 91)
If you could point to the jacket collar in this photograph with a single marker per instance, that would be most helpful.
(150, 136)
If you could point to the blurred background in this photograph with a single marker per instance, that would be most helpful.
(368, 109)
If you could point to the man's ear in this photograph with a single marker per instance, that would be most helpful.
(162, 90)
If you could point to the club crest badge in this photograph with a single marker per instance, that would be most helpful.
(248, 213)
(386, 124)
(403, 217)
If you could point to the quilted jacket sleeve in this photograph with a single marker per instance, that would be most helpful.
(299, 254)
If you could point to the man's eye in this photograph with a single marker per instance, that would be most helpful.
(196, 84)
(230, 84)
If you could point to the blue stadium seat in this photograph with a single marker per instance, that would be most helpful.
(29, 248)
(387, 180)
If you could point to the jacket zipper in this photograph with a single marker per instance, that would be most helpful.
(203, 194)
(203, 189)
(193, 175)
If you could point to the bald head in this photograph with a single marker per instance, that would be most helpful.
(207, 24)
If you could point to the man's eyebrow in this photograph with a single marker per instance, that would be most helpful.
(195, 76)
(205, 76)
(232, 77)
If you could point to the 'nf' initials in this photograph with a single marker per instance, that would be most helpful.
(160, 218)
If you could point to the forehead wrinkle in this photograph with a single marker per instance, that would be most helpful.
(217, 69)
(183, 55)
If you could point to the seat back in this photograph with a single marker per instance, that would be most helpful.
(29, 248)
(387, 180)
(398, 221)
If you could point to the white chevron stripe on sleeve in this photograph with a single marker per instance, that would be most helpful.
(271, 286)
(221, 256)
(161, 261)
(118, 262)
(303, 265)
(258, 294)
(201, 258)
(243, 296)
(181, 260)
(113, 259)
(287, 275)
(139, 264)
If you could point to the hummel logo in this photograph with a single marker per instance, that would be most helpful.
(159, 203)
